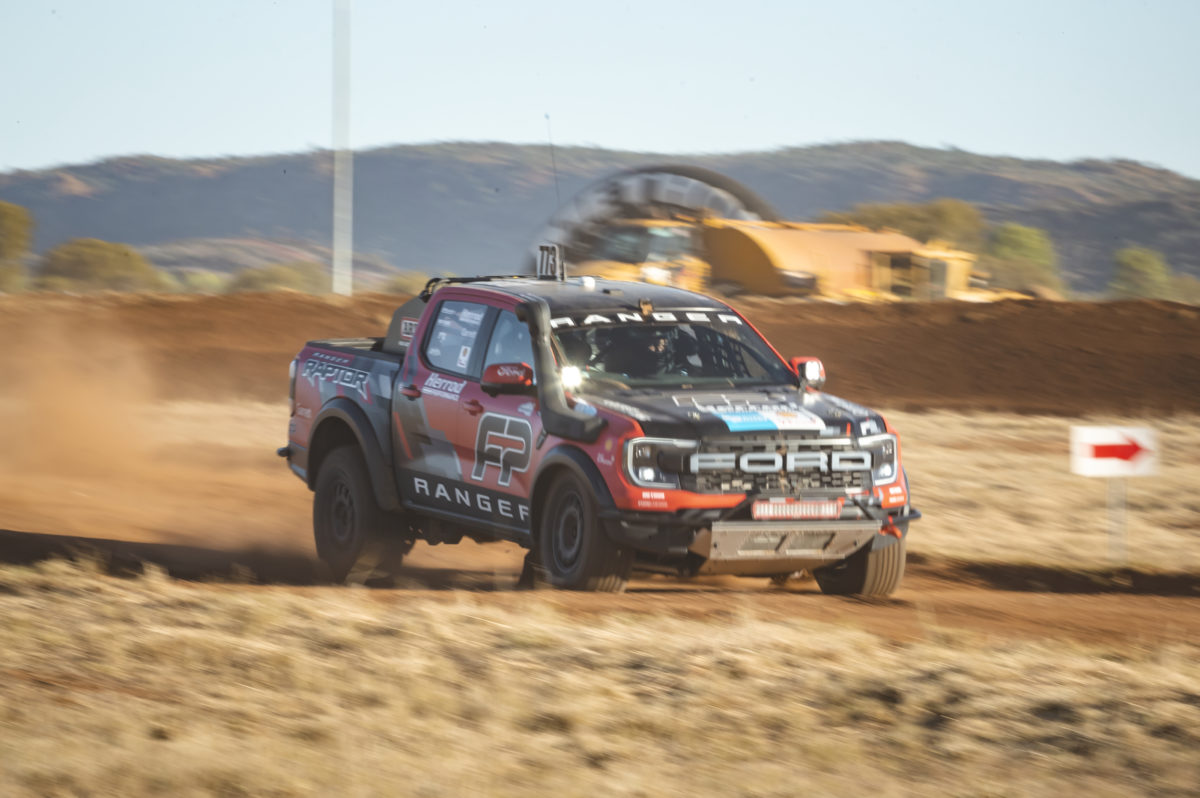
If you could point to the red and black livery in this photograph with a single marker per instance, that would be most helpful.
(607, 427)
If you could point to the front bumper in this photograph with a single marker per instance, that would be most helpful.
(771, 547)
(718, 544)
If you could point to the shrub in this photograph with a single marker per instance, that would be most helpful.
(88, 264)
(1140, 273)
(305, 276)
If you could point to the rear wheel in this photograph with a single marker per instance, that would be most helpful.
(866, 572)
(355, 538)
(573, 551)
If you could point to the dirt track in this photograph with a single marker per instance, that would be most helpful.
(85, 455)
(1027, 357)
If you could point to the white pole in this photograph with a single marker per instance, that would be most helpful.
(1116, 521)
(343, 157)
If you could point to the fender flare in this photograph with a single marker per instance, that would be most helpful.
(346, 411)
(574, 460)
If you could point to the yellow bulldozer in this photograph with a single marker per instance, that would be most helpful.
(699, 230)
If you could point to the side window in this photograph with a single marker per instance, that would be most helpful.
(453, 342)
(510, 342)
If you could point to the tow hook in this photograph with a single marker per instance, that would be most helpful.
(891, 529)
(283, 451)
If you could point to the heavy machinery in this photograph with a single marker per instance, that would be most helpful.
(699, 230)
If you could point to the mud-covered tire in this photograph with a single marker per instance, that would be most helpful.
(355, 538)
(867, 572)
(573, 552)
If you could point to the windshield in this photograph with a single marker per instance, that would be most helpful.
(633, 244)
(668, 243)
(703, 349)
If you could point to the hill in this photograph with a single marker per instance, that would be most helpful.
(476, 207)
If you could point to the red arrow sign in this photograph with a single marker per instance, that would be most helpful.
(1120, 451)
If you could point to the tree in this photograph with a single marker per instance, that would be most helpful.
(1185, 288)
(202, 282)
(16, 228)
(1021, 258)
(1140, 273)
(88, 264)
(953, 221)
(307, 276)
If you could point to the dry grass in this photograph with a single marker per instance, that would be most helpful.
(998, 487)
(148, 686)
(993, 487)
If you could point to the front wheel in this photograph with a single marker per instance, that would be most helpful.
(353, 534)
(573, 551)
(867, 572)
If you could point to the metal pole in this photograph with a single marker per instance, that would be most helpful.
(343, 157)
(1116, 521)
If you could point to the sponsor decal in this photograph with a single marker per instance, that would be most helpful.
(408, 328)
(517, 372)
(444, 387)
(849, 407)
(464, 356)
(332, 357)
(704, 317)
(470, 500)
(748, 412)
(605, 459)
(622, 408)
(525, 409)
(868, 427)
(304, 412)
(505, 442)
(774, 462)
(318, 370)
(653, 499)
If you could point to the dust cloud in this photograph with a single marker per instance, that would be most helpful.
(89, 448)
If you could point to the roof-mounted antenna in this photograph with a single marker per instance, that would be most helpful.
(550, 264)
(553, 164)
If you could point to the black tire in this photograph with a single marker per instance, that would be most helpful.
(355, 538)
(573, 551)
(866, 572)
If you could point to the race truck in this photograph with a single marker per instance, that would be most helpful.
(605, 426)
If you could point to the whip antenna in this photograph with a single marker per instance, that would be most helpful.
(553, 163)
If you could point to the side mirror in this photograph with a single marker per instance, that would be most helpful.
(507, 378)
(810, 371)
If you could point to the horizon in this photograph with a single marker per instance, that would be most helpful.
(1064, 82)
(593, 147)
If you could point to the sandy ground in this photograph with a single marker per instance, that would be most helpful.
(1016, 659)
(1011, 542)
(995, 554)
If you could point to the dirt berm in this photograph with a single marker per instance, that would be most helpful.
(1029, 357)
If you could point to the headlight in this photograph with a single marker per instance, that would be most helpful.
(571, 378)
(656, 462)
(883, 449)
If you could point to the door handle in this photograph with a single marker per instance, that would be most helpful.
(473, 406)
(411, 391)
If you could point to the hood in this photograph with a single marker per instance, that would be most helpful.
(706, 413)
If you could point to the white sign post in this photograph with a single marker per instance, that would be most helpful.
(1114, 453)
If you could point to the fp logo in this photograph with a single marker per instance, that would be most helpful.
(504, 442)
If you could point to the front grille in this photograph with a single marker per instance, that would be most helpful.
(780, 483)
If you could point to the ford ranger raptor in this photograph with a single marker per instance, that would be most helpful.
(605, 426)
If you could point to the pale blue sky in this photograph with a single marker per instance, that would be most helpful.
(86, 79)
